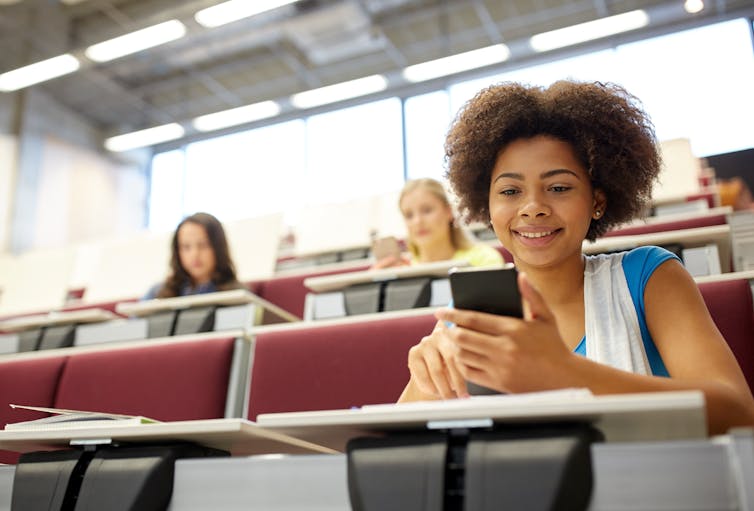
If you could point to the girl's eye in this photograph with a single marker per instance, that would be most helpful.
(560, 189)
(509, 191)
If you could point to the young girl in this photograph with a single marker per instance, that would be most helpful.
(548, 168)
(433, 234)
(200, 260)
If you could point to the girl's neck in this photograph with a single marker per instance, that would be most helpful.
(559, 284)
(199, 283)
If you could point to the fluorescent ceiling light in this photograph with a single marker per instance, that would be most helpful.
(38, 72)
(590, 30)
(456, 63)
(339, 91)
(136, 41)
(234, 10)
(693, 6)
(144, 138)
(235, 116)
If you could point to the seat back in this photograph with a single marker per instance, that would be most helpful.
(169, 382)
(30, 382)
(689, 223)
(731, 306)
(333, 367)
(289, 293)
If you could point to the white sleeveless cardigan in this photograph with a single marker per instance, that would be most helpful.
(612, 329)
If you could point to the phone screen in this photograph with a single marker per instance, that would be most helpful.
(492, 290)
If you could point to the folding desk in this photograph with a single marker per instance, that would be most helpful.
(680, 469)
(720, 235)
(126, 467)
(237, 308)
(363, 292)
(488, 452)
(52, 330)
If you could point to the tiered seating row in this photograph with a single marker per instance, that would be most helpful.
(329, 364)
(175, 379)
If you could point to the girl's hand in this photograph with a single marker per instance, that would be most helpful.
(434, 370)
(509, 354)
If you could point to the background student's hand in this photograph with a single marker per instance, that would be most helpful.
(389, 262)
(509, 354)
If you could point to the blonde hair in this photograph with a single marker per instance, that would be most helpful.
(458, 236)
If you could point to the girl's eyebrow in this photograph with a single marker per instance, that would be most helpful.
(543, 175)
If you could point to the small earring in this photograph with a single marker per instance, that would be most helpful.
(598, 213)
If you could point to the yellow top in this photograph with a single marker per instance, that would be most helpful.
(478, 254)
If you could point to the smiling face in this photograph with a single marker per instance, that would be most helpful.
(427, 218)
(195, 252)
(542, 201)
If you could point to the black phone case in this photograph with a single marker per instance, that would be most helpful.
(493, 290)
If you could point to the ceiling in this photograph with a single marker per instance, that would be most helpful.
(293, 48)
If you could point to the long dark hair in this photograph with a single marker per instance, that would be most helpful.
(224, 276)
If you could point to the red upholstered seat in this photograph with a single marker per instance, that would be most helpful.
(175, 381)
(30, 382)
(691, 223)
(730, 304)
(712, 198)
(255, 286)
(333, 367)
(289, 292)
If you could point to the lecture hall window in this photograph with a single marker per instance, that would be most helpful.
(354, 152)
(696, 84)
(427, 118)
(166, 190)
(246, 174)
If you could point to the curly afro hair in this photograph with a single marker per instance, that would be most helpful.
(606, 126)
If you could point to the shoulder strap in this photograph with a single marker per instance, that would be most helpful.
(613, 336)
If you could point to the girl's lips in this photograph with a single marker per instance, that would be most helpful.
(536, 238)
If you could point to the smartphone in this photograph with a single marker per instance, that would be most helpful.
(492, 290)
(384, 247)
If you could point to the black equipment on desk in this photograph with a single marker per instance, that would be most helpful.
(113, 477)
(529, 467)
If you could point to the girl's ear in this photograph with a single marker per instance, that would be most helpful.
(599, 203)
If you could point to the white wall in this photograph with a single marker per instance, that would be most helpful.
(67, 188)
(680, 172)
(83, 196)
(7, 181)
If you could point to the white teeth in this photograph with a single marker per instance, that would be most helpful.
(535, 234)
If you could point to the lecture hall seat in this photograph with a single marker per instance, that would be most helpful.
(289, 292)
(343, 364)
(30, 382)
(169, 382)
(731, 306)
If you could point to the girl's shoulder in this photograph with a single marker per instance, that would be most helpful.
(646, 257)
